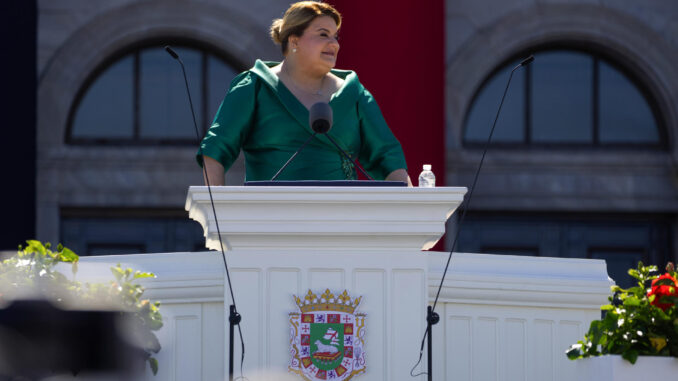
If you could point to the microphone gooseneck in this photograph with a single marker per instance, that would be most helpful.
(431, 314)
(320, 121)
(235, 317)
(320, 118)
(292, 157)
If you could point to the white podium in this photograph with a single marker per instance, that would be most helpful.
(502, 317)
(284, 241)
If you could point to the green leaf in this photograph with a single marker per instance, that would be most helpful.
(596, 332)
(67, 255)
(630, 355)
(665, 282)
(139, 275)
(156, 325)
(153, 362)
(118, 272)
(35, 247)
(574, 352)
(631, 301)
(607, 307)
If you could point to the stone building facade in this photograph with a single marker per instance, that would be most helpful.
(548, 198)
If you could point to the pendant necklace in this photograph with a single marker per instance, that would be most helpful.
(317, 93)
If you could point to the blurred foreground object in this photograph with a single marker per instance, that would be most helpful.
(43, 307)
(38, 339)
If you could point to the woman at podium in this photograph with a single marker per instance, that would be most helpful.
(266, 111)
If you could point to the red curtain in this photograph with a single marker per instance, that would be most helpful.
(397, 49)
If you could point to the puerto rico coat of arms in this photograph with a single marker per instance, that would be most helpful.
(327, 337)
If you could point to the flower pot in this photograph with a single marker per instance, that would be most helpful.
(615, 368)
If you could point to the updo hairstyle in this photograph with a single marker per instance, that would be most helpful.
(297, 18)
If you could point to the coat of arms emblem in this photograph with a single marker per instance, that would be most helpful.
(327, 337)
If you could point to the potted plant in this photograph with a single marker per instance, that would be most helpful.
(640, 326)
(32, 272)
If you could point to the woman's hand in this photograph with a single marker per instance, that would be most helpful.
(215, 171)
(400, 175)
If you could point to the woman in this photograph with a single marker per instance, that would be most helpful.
(265, 112)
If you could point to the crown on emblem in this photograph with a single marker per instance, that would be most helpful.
(327, 302)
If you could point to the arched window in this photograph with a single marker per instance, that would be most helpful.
(140, 97)
(566, 98)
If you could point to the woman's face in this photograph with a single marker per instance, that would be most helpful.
(318, 45)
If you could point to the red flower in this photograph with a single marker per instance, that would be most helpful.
(663, 289)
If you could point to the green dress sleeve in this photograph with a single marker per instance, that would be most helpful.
(380, 152)
(232, 122)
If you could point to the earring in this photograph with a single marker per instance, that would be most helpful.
(294, 50)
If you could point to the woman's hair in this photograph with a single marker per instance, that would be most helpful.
(297, 18)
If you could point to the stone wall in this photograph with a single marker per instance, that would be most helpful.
(77, 36)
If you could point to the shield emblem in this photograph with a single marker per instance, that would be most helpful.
(327, 345)
(327, 337)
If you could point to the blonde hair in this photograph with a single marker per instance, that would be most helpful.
(297, 18)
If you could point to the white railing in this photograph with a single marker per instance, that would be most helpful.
(502, 317)
(512, 318)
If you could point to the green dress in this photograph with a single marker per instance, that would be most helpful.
(263, 118)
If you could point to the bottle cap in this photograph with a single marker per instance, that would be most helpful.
(427, 167)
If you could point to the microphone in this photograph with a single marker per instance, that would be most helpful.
(431, 316)
(320, 118)
(172, 52)
(527, 61)
(234, 317)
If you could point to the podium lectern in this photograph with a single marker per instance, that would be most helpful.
(283, 242)
(502, 317)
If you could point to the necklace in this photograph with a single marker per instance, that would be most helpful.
(317, 93)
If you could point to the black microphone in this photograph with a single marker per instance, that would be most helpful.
(432, 317)
(171, 52)
(320, 118)
(235, 317)
(527, 61)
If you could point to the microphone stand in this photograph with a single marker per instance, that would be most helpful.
(293, 156)
(432, 317)
(234, 317)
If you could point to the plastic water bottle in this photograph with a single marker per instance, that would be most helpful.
(426, 178)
